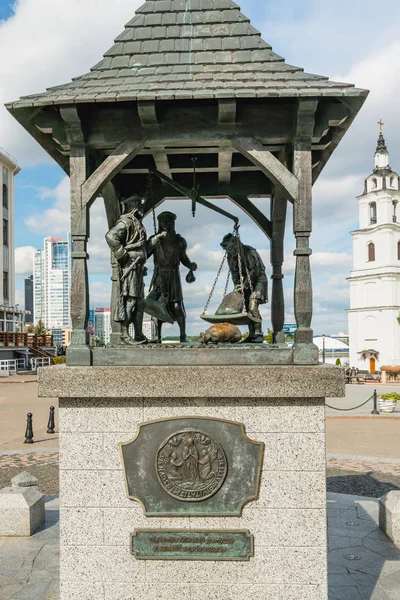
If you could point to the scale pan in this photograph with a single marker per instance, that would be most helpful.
(238, 319)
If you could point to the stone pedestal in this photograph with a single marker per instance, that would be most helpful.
(22, 509)
(281, 406)
(389, 515)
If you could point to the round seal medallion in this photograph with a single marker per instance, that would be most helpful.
(191, 466)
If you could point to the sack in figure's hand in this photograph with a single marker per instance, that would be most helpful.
(190, 278)
(232, 304)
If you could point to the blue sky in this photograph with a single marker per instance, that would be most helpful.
(348, 41)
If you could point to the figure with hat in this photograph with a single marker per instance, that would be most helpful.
(168, 255)
(255, 283)
(128, 242)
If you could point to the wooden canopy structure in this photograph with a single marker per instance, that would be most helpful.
(194, 78)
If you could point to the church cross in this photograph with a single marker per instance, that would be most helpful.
(380, 123)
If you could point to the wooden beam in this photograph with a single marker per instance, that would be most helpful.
(194, 151)
(162, 163)
(354, 105)
(194, 195)
(278, 218)
(110, 167)
(247, 169)
(302, 225)
(227, 110)
(280, 176)
(73, 125)
(224, 167)
(253, 212)
(147, 112)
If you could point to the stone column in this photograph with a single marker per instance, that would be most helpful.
(281, 406)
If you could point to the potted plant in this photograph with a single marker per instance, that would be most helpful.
(387, 402)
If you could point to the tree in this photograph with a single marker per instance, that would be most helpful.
(40, 328)
(338, 362)
(268, 337)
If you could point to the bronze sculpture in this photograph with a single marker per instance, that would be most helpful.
(128, 242)
(249, 277)
(168, 254)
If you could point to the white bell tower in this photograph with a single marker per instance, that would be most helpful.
(374, 329)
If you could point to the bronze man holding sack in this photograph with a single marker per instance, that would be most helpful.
(251, 285)
(165, 300)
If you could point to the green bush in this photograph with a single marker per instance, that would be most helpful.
(391, 396)
(338, 362)
(59, 360)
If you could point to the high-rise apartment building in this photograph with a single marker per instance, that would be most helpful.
(11, 319)
(51, 283)
(102, 324)
(29, 299)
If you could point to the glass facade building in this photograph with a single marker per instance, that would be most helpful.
(52, 280)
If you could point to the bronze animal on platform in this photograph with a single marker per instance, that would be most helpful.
(222, 333)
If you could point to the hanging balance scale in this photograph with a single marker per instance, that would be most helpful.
(232, 309)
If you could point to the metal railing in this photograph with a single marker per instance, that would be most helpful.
(40, 362)
(13, 365)
(375, 410)
(15, 339)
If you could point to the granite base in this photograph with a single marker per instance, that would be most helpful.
(280, 406)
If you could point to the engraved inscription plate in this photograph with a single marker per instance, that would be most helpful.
(194, 466)
(183, 544)
(191, 466)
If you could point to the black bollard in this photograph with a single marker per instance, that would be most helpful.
(375, 411)
(29, 430)
(50, 424)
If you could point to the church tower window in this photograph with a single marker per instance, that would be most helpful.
(371, 252)
(398, 250)
(372, 213)
(394, 211)
(374, 183)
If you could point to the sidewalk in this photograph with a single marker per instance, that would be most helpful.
(30, 567)
(16, 400)
(358, 394)
(362, 562)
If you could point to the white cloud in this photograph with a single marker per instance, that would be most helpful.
(55, 220)
(46, 43)
(24, 260)
(50, 42)
(100, 294)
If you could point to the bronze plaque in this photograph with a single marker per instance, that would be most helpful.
(193, 466)
(194, 544)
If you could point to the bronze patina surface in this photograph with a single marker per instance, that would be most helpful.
(193, 466)
(182, 544)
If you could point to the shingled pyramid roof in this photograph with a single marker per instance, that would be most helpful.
(183, 49)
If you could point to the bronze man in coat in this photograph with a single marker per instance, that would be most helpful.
(259, 282)
(168, 254)
(128, 242)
